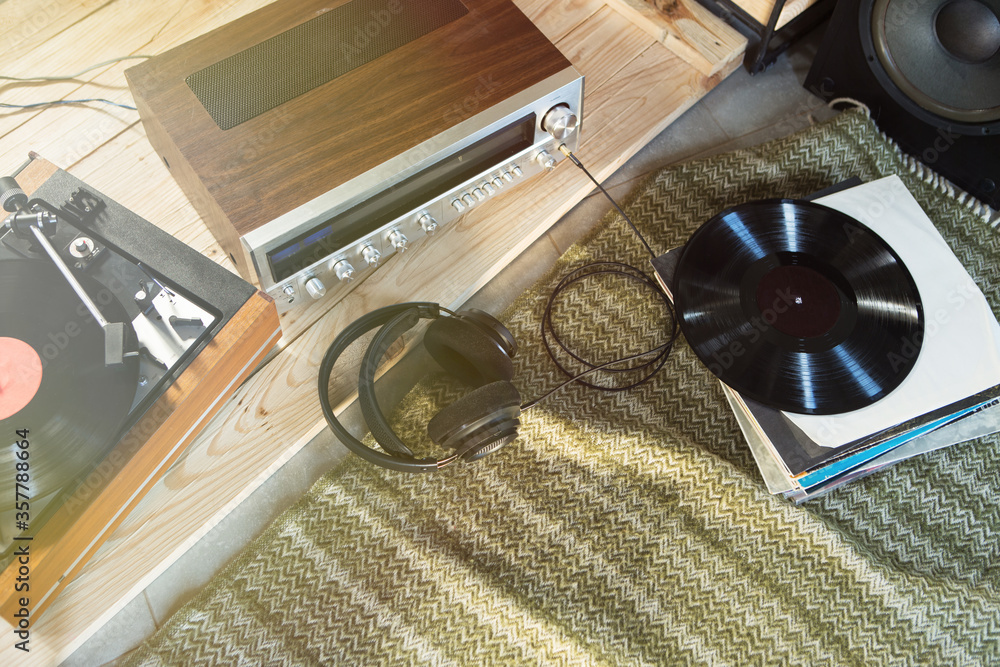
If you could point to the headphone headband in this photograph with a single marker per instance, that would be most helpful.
(354, 331)
(377, 423)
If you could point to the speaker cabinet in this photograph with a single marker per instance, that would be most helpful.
(929, 70)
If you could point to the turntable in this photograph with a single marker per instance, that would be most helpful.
(117, 345)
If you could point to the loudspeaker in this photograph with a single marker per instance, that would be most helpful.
(929, 70)
(470, 345)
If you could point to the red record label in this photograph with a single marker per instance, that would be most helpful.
(20, 375)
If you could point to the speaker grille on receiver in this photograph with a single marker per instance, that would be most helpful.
(278, 70)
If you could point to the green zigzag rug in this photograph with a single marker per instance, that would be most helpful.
(631, 528)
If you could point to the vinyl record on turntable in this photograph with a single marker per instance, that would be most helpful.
(798, 306)
(53, 379)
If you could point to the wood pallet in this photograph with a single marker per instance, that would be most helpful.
(703, 39)
(635, 87)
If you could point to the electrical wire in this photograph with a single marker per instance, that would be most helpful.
(651, 366)
(568, 153)
(68, 77)
(554, 343)
(532, 403)
(35, 105)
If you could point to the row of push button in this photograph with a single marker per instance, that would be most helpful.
(343, 269)
(484, 190)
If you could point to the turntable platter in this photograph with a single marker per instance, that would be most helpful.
(53, 380)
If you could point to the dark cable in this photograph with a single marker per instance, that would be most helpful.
(67, 77)
(70, 77)
(662, 352)
(650, 367)
(568, 153)
(532, 403)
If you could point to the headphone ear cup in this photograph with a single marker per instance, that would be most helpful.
(465, 350)
(480, 422)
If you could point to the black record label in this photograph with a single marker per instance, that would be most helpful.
(798, 306)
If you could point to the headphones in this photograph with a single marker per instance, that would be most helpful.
(477, 349)
(472, 346)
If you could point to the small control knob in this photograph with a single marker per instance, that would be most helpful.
(560, 122)
(288, 291)
(498, 182)
(479, 194)
(371, 255)
(469, 201)
(506, 176)
(315, 288)
(488, 187)
(457, 205)
(517, 171)
(344, 271)
(11, 195)
(428, 224)
(546, 160)
(398, 240)
(82, 247)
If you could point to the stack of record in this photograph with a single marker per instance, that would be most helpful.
(815, 323)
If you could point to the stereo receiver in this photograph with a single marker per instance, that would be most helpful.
(316, 138)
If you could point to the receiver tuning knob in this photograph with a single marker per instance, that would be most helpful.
(560, 122)
(344, 270)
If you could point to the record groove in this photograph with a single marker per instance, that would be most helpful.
(798, 306)
(79, 404)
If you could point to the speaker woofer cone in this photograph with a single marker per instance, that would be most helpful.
(937, 57)
(968, 31)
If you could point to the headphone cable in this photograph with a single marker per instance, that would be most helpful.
(568, 153)
(532, 403)
(662, 351)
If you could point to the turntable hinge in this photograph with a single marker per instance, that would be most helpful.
(84, 205)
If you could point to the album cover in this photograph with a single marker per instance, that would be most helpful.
(806, 455)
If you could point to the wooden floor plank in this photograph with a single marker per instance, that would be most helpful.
(101, 31)
(559, 18)
(45, 53)
(602, 45)
(32, 30)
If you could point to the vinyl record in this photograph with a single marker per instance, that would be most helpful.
(53, 380)
(798, 306)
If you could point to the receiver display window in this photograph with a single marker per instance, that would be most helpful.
(408, 194)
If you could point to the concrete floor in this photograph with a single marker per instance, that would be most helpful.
(741, 111)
